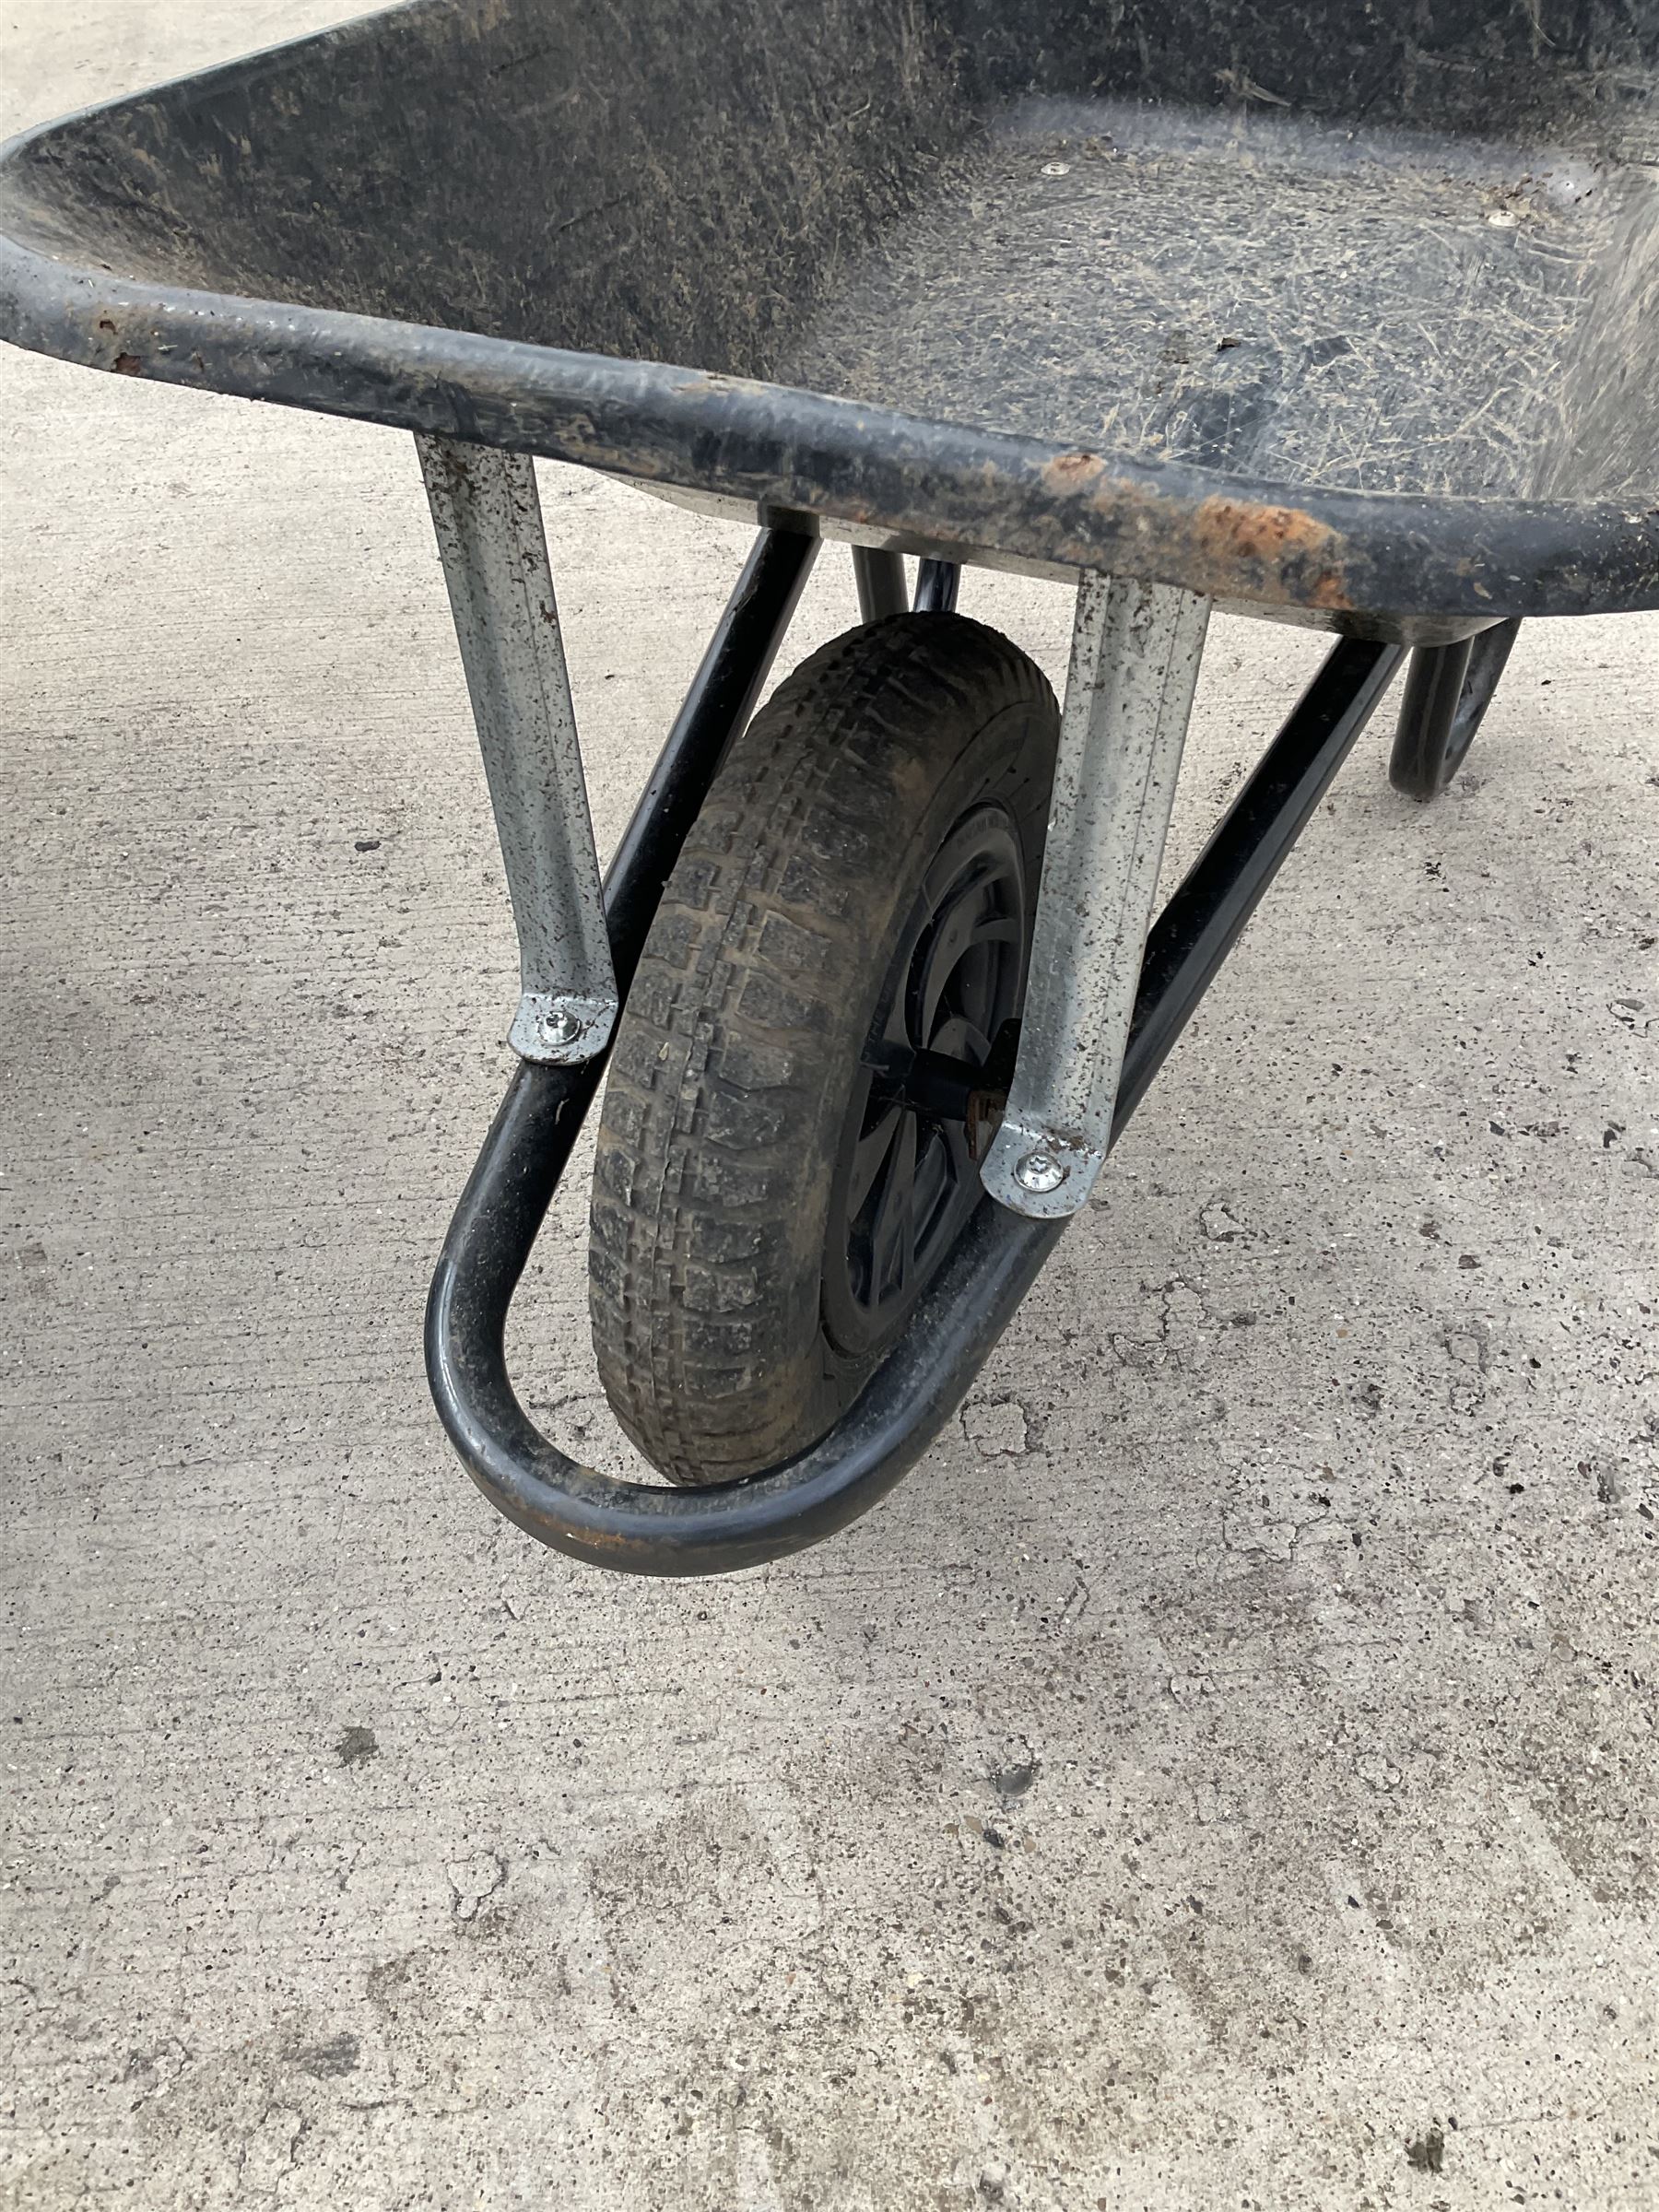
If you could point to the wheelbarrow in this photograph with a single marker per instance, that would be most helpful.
(1346, 317)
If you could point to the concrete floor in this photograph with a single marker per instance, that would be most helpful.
(1222, 1776)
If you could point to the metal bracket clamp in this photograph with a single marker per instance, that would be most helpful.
(1134, 656)
(494, 549)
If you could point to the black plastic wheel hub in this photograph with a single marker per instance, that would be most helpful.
(905, 1182)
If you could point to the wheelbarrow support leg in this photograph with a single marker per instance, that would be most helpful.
(937, 584)
(494, 548)
(1136, 649)
(882, 590)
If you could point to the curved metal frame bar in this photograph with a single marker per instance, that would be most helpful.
(648, 1529)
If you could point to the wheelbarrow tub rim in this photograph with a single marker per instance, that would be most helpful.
(798, 455)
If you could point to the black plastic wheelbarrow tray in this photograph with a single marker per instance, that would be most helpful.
(1344, 315)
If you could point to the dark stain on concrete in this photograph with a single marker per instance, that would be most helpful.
(1427, 2154)
(327, 2059)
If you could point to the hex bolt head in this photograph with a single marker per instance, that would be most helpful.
(1040, 1173)
(557, 1030)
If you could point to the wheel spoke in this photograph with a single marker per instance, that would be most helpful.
(933, 1173)
(910, 1181)
(962, 962)
(960, 1039)
(963, 1171)
(946, 950)
(875, 1150)
(893, 1232)
(977, 980)
(895, 1030)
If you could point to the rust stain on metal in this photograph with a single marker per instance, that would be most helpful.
(1327, 592)
(614, 1543)
(1276, 537)
(1218, 536)
(1069, 471)
(128, 364)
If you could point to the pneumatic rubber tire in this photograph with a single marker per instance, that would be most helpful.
(733, 1317)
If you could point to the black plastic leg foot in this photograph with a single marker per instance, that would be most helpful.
(1448, 691)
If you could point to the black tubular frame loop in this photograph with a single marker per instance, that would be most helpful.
(652, 1529)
